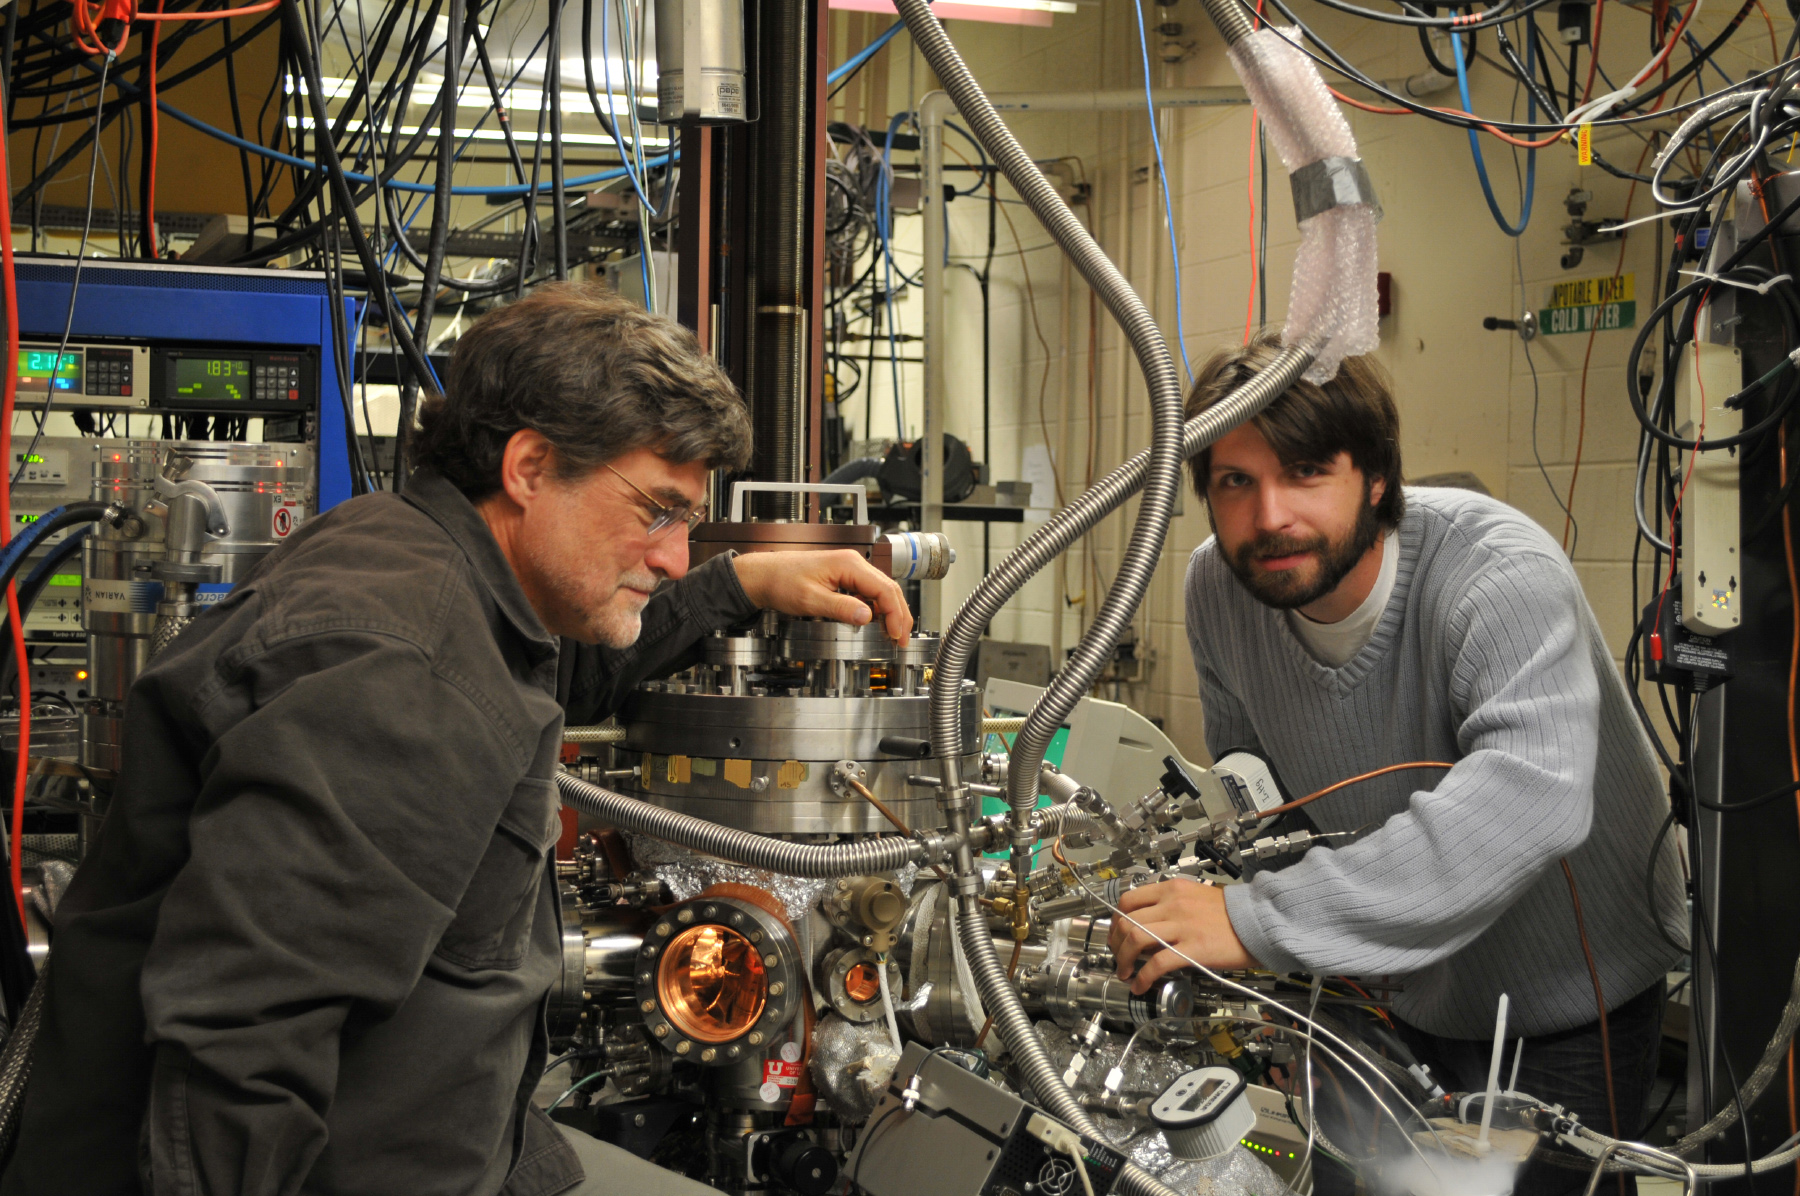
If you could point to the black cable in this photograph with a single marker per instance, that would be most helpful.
(87, 224)
(440, 232)
(559, 228)
(344, 202)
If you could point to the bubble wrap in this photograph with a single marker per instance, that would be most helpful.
(688, 872)
(1234, 1173)
(1333, 298)
(851, 1065)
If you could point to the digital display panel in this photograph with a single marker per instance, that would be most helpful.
(36, 365)
(223, 379)
(1192, 1104)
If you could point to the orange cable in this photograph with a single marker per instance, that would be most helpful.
(1330, 789)
(1587, 952)
(1581, 425)
(1587, 89)
(9, 393)
(1787, 545)
(150, 187)
(1250, 186)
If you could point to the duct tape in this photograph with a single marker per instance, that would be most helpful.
(1331, 183)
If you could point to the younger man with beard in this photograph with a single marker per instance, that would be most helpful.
(1341, 624)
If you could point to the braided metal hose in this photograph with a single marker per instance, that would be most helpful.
(15, 1063)
(593, 734)
(743, 847)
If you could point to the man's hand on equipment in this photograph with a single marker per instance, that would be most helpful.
(1187, 914)
(828, 585)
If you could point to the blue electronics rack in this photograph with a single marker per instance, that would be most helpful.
(172, 306)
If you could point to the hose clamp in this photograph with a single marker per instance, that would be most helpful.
(1331, 183)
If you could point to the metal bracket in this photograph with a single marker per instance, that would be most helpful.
(168, 491)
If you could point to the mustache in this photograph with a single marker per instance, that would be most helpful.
(640, 581)
(1269, 545)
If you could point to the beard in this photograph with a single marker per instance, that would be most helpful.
(606, 613)
(1290, 589)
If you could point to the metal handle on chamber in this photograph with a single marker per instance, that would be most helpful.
(855, 490)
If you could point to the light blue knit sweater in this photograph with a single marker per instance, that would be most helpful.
(1487, 656)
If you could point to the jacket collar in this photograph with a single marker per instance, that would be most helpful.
(433, 494)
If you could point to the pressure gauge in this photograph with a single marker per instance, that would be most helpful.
(1204, 1113)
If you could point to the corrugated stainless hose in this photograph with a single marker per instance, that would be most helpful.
(744, 847)
(1159, 473)
(1163, 473)
(15, 1063)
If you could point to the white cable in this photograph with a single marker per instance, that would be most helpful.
(965, 978)
(1312, 1106)
(1600, 105)
(887, 1004)
(1261, 998)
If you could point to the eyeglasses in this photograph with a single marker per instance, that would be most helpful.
(664, 518)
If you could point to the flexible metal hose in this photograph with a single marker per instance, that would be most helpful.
(743, 847)
(15, 1063)
(1073, 521)
(1163, 473)
(600, 734)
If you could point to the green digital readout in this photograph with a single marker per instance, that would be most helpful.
(36, 366)
(224, 379)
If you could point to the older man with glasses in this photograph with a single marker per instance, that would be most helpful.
(311, 948)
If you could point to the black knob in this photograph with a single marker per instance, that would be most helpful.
(905, 745)
(806, 1167)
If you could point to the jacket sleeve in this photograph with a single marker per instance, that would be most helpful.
(1432, 878)
(336, 827)
(597, 678)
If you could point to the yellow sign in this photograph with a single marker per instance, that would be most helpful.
(1583, 292)
(1584, 145)
(1589, 305)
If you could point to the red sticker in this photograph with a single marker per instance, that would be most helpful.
(776, 1071)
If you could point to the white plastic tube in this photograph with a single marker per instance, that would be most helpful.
(1333, 298)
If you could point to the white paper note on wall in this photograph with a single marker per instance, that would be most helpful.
(1035, 467)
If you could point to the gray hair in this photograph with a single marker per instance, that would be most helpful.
(597, 375)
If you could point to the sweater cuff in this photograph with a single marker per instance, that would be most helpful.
(1245, 907)
(715, 597)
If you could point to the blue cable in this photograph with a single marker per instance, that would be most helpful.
(1487, 188)
(863, 55)
(637, 137)
(1162, 174)
(514, 190)
(884, 210)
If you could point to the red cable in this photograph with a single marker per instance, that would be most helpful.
(1521, 142)
(216, 14)
(9, 393)
(1587, 89)
(150, 188)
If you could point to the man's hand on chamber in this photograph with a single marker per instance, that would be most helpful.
(839, 584)
(1188, 915)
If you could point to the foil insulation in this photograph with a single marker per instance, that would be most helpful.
(851, 1065)
(1147, 1073)
(687, 873)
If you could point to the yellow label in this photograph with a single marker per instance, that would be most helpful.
(1584, 145)
(1585, 292)
(738, 773)
(681, 770)
(792, 772)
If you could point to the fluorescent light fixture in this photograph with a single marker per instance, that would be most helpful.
(1002, 12)
(522, 136)
(519, 101)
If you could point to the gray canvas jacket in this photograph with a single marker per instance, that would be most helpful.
(310, 950)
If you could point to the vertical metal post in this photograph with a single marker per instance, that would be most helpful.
(932, 111)
(694, 235)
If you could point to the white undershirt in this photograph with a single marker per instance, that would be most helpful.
(1336, 644)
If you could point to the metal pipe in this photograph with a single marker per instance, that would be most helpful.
(760, 851)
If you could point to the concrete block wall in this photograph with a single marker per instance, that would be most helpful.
(1470, 400)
